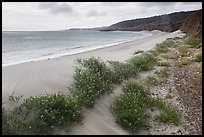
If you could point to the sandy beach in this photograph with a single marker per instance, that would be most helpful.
(53, 75)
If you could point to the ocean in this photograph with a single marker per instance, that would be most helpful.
(25, 46)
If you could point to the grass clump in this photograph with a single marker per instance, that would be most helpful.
(129, 114)
(193, 41)
(91, 80)
(152, 81)
(11, 125)
(137, 52)
(169, 56)
(183, 50)
(163, 73)
(143, 62)
(122, 71)
(153, 52)
(40, 115)
(166, 64)
(198, 56)
(129, 107)
(169, 113)
(164, 46)
(169, 42)
(161, 48)
(182, 62)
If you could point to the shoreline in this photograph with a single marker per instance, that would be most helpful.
(53, 75)
(78, 50)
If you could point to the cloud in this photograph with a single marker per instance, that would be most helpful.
(156, 4)
(115, 4)
(94, 13)
(42, 15)
(56, 8)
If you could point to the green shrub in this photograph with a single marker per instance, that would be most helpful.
(168, 114)
(129, 113)
(182, 62)
(160, 48)
(91, 80)
(153, 52)
(143, 62)
(169, 56)
(128, 109)
(11, 125)
(169, 42)
(193, 41)
(163, 47)
(122, 71)
(152, 80)
(41, 114)
(183, 50)
(199, 56)
(166, 64)
(163, 73)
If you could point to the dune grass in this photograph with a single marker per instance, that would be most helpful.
(168, 114)
(162, 74)
(164, 46)
(198, 56)
(182, 62)
(42, 114)
(164, 64)
(169, 55)
(152, 80)
(92, 79)
(193, 41)
(183, 50)
(122, 71)
(129, 108)
(143, 62)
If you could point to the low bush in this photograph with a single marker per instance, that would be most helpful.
(193, 41)
(11, 125)
(168, 114)
(169, 55)
(198, 56)
(122, 71)
(143, 62)
(153, 52)
(182, 62)
(128, 109)
(166, 64)
(183, 50)
(152, 81)
(91, 80)
(163, 73)
(40, 115)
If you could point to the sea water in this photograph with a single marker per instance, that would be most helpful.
(25, 46)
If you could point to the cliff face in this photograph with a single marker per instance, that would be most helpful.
(168, 22)
(193, 23)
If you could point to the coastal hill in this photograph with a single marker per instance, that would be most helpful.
(95, 29)
(168, 23)
(193, 23)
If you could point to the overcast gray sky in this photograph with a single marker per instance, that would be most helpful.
(64, 15)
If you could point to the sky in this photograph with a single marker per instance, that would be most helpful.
(48, 16)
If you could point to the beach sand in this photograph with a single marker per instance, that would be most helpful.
(53, 75)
